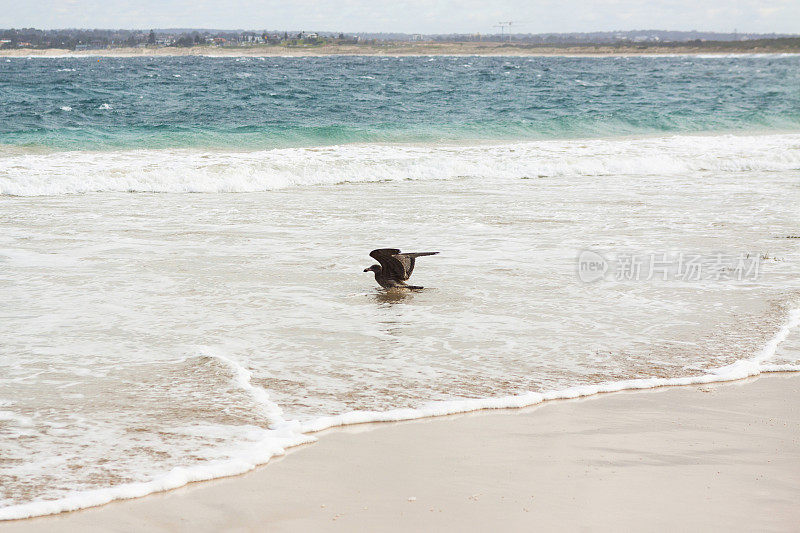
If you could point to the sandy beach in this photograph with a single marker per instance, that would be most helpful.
(194, 338)
(722, 457)
(407, 49)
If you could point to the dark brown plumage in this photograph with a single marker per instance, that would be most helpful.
(395, 268)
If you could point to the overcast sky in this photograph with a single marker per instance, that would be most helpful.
(409, 16)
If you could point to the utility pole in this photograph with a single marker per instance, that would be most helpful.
(503, 26)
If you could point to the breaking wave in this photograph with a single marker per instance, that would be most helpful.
(208, 171)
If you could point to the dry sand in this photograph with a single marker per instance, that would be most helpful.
(721, 457)
(400, 50)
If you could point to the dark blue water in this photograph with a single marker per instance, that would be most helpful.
(111, 103)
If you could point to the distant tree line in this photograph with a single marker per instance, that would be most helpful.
(77, 38)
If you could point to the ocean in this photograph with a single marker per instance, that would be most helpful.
(182, 246)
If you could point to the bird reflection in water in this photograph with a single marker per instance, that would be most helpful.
(393, 296)
(393, 324)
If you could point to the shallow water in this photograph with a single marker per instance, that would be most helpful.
(142, 331)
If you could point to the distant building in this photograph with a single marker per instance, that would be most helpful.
(417, 37)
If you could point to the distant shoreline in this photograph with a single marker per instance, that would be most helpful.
(416, 49)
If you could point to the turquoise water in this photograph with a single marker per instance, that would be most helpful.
(260, 103)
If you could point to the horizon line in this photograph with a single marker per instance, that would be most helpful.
(735, 31)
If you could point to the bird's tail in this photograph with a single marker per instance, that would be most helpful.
(414, 287)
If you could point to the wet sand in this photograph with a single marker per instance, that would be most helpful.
(723, 456)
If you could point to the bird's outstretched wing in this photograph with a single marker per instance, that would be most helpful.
(408, 260)
(399, 265)
(391, 266)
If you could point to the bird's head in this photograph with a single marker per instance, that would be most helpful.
(373, 268)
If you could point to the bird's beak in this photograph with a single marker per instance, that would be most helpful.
(367, 269)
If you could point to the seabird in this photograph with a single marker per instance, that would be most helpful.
(395, 268)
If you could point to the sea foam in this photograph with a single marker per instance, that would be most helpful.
(268, 443)
(178, 171)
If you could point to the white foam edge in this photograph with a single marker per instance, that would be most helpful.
(741, 369)
(242, 377)
(293, 433)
